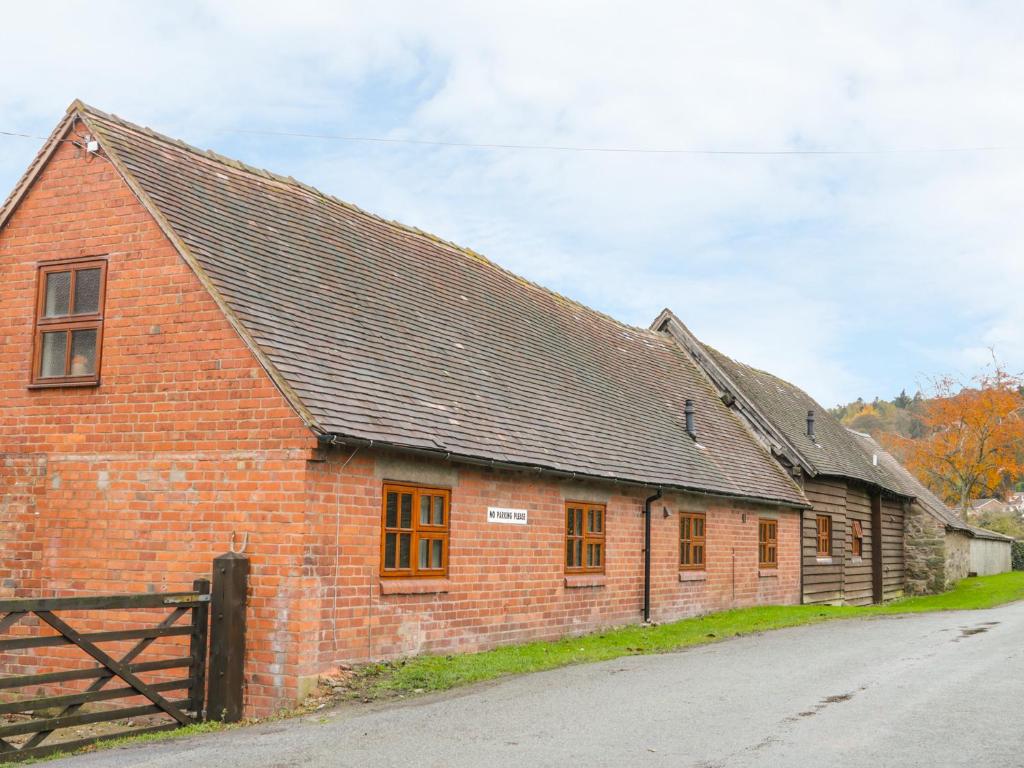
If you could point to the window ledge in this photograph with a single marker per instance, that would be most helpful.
(413, 586)
(824, 560)
(856, 560)
(693, 575)
(768, 573)
(62, 384)
(574, 581)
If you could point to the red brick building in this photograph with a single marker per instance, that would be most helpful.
(423, 452)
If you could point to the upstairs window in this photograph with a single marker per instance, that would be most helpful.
(69, 323)
(691, 541)
(768, 543)
(414, 535)
(824, 536)
(584, 537)
(857, 540)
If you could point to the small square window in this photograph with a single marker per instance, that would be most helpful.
(414, 545)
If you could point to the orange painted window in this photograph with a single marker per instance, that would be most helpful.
(691, 541)
(768, 542)
(824, 536)
(68, 339)
(414, 531)
(584, 537)
(857, 540)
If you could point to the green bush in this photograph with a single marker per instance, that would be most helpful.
(1017, 555)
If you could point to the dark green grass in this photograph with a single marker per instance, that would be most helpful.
(437, 673)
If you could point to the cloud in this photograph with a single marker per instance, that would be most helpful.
(852, 275)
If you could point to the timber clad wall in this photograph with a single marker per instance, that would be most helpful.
(823, 581)
(893, 570)
(844, 578)
(857, 586)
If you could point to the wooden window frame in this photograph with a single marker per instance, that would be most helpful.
(824, 537)
(586, 537)
(687, 544)
(67, 323)
(857, 539)
(417, 531)
(767, 542)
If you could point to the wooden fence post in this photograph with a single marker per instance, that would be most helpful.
(227, 637)
(197, 650)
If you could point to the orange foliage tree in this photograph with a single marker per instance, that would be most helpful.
(973, 442)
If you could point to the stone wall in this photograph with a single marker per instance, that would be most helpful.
(926, 556)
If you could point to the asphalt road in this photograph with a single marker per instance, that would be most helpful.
(929, 690)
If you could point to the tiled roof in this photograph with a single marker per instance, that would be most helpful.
(389, 334)
(832, 451)
(911, 486)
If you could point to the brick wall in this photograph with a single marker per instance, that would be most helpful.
(506, 583)
(137, 484)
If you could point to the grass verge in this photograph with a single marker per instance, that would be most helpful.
(438, 673)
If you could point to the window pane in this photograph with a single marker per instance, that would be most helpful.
(436, 550)
(579, 552)
(590, 520)
(698, 555)
(424, 553)
(406, 511)
(571, 523)
(590, 555)
(598, 515)
(83, 352)
(439, 510)
(698, 526)
(424, 510)
(389, 550)
(685, 527)
(568, 554)
(53, 356)
(597, 555)
(87, 291)
(391, 515)
(684, 554)
(404, 544)
(58, 292)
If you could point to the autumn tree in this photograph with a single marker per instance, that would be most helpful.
(973, 437)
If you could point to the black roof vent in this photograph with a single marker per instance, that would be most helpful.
(810, 424)
(691, 428)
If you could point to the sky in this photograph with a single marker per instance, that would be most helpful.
(855, 274)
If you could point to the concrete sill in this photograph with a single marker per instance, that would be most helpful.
(693, 575)
(413, 586)
(768, 573)
(823, 560)
(584, 580)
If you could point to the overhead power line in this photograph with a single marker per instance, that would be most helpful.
(596, 149)
(626, 150)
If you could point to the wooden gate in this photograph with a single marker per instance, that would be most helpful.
(28, 718)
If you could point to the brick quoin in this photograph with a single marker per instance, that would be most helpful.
(135, 485)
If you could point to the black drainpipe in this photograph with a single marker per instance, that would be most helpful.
(647, 553)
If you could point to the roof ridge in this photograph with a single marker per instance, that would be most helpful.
(291, 181)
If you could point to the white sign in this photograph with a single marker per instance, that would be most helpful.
(510, 516)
